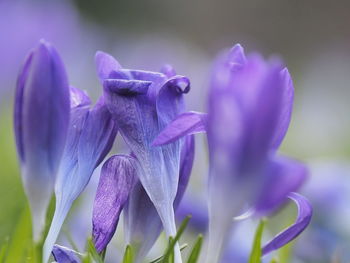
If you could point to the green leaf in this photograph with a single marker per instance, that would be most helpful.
(157, 260)
(274, 260)
(92, 252)
(196, 250)
(128, 255)
(3, 251)
(255, 255)
(21, 239)
(172, 242)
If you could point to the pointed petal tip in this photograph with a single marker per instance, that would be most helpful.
(105, 64)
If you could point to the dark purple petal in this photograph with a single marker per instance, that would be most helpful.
(283, 176)
(184, 124)
(117, 178)
(41, 124)
(127, 87)
(65, 255)
(105, 65)
(289, 234)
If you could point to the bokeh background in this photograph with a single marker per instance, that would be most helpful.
(312, 37)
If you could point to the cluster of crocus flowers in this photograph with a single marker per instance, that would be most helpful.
(61, 139)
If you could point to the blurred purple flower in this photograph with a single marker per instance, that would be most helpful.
(41, 119)
(249, 110)
(90, 137)
(142, 222)
(143, 103)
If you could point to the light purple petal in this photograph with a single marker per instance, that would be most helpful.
(117, 178)
(67, 185)
(41, 124)
(185, 124)
(142, 222)
(105, 64)
(65, 255)
(289, 234)
(78, 98)
(283, 176)
(286, 108)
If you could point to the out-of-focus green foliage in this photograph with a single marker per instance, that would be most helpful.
(255, 255)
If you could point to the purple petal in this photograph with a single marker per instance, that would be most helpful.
(289, 234)
(65, 255)
(117, 178)
(286, 109)
(168, 71)
(105, 64)
(184, 124)
(186, 164)
(41, 124)
(283, 176)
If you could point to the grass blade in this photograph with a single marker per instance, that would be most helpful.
(196, 250)
(255, 255)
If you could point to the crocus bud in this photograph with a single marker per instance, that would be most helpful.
(41, 119)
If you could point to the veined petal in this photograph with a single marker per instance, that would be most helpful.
(65, 255)
(184, 124)
(117, 178)
(283, 176)
(105, 64)
(41, 123)
(289, 234)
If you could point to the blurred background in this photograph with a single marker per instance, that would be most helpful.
(311, 36)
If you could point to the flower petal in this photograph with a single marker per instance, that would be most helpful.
(117, 178)
(289, 234)
(184, 124)
(105, 64)
(283, 176)
(65, 255)
(286, 108)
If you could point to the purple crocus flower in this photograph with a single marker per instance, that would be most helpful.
(41, 118)
(143, 103)
(249, 110)
(91, 135)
